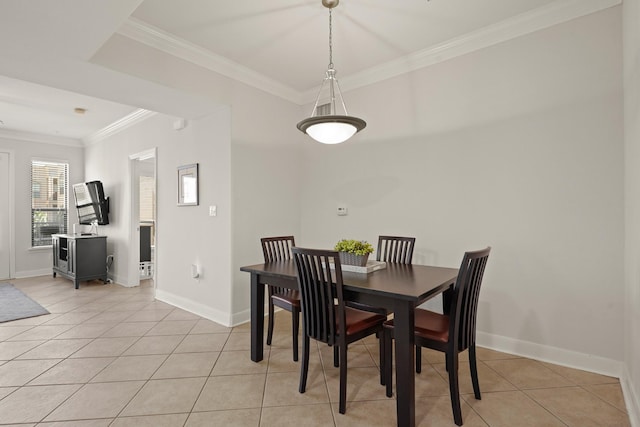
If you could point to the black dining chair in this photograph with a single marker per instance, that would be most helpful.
(279, 249)
(395, 249)
(325, 317)
(391, 249)
(450, 333)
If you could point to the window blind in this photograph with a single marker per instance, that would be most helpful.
(148, 203)
(49, 201)
(147, 198)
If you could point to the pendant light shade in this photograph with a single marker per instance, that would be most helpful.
(331, 129)
(325, 124)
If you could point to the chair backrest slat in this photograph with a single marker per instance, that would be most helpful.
(319, 287)
(395, 249)
(277, 248)
(464, 303)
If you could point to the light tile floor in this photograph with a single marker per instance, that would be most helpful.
(112, 356)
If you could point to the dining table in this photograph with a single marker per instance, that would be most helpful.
(399, 288)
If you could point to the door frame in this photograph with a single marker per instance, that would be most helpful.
(134, 215)
(11, 209)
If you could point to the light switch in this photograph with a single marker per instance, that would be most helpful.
(213, 210)
(342, 210)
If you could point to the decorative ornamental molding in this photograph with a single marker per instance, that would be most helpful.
(167, 42)
(538, 19)
(37, 137)
(118, 126)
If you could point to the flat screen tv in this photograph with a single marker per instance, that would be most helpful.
(91, 204)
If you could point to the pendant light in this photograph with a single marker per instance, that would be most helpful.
(325, 124)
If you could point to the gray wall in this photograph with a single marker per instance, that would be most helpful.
(263, 165)
(185, 235)
(518, 146)
(28, 261)
(526, 136)
(631, 378)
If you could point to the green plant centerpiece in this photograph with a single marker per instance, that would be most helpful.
(353, 252)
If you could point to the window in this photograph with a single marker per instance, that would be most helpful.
(49, 204)
(148, 203)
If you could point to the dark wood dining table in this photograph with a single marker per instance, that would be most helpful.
(399, 288)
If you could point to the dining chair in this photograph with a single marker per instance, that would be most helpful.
(325, 317)
(279, 249)
(395, 249)
(449, 333)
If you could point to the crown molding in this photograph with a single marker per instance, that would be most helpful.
(40, 138)
(537, 19)
(137, 116)
(155, 37)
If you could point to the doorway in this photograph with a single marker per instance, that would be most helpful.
(144, 223)
(6, 238)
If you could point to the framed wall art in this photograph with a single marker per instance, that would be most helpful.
(188, 185)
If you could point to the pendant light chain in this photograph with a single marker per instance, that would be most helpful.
(331, 71)
(330, 41)
(331, 128)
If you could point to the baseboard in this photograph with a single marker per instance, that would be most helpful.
(242, 317)
(119, 280)
(194, 307)
(47, 271)
(33, 273)
(571, 359)
(245, 315)
(555, 355)
(631, 398)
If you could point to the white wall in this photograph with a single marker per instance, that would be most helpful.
(631, 378)
(266, 202)
(518, 146)
(34, 262)
(526, 135)
(185, 235)
(264, 164)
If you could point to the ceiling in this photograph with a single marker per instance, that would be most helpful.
(279, 45)
(287, 40)
(38, 109)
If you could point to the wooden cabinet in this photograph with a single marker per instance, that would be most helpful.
(80, 258)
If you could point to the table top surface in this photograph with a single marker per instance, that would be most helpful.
(410, 282)
(80, 236)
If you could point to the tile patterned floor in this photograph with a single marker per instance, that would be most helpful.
(111, 356)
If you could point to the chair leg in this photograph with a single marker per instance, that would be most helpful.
(295, 319)
(381, 342)
(304, 366)
(474, 371)
(454, 389)
(343, 379)
(336, 356)
(388, 362)
(418, 359)
(270, 327)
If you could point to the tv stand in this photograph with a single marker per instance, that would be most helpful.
(79, 257)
